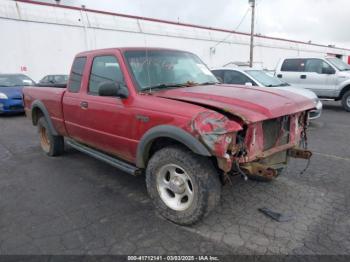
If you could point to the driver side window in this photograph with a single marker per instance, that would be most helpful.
(317, 66)
(104, 69)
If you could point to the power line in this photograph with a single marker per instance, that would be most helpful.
(234, 30)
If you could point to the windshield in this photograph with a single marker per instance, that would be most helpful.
(167, 68)
(15, 80)
(265, 79)
(342, 66)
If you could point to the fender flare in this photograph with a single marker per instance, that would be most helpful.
(40, 105)
(167, 131)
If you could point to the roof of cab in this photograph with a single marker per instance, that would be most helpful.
(124, 49)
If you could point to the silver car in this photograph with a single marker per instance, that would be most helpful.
(258, 77)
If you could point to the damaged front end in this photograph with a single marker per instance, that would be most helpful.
(253, 149)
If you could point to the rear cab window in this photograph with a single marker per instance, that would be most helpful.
(76, 74)
(293, 65)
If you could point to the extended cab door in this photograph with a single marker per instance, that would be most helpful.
(102, 122)
(291, 71)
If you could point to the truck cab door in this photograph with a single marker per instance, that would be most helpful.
(319, 77)
(290, 71)
(102, 122)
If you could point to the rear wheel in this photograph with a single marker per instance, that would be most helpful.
(346, 101)
(50, 144)
(184, 186)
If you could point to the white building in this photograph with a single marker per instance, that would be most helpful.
(39, 38)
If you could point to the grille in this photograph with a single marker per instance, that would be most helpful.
(273, 129)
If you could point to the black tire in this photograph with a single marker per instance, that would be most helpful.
(345, 101)
(280, 171)
(50, 144)
(204, 177)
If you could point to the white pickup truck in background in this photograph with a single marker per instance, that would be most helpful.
(328, 77)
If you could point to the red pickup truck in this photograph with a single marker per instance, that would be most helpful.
(161, 112)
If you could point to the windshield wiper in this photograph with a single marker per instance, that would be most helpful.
(163, 86)
(174, 85)
(208, 83)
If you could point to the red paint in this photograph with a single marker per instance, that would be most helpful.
(253, 104)
(214, 130)
(171, 22)
(349, 60)
(212, 114)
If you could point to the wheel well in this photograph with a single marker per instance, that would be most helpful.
(162, 142)
(344, 90)
(36, 114)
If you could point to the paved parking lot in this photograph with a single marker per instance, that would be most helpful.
(77, 205)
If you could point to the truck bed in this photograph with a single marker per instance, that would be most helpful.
(52, 98)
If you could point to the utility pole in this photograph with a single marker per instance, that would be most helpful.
(251, 55)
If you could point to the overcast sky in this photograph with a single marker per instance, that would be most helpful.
(321, 21)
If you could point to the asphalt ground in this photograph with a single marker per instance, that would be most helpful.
(74, 204)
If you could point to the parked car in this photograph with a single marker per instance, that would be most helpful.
(328, 77)
(54, 81)
(11, 86)
(160, 112)
(258, 77)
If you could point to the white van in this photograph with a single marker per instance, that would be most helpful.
(328, 77)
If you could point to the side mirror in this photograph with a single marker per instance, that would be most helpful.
(249, 84)
(112, 89)
(328, 71)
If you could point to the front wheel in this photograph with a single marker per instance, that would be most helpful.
(184, 186)
(346, 101)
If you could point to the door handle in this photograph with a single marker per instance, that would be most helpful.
(84, 105)
(279, 75)
(303, 76)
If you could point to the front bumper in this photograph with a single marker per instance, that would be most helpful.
(267, 143)
(10, 106)
(316, 113)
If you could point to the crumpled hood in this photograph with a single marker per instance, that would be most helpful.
(250, 104)
(13, 92)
